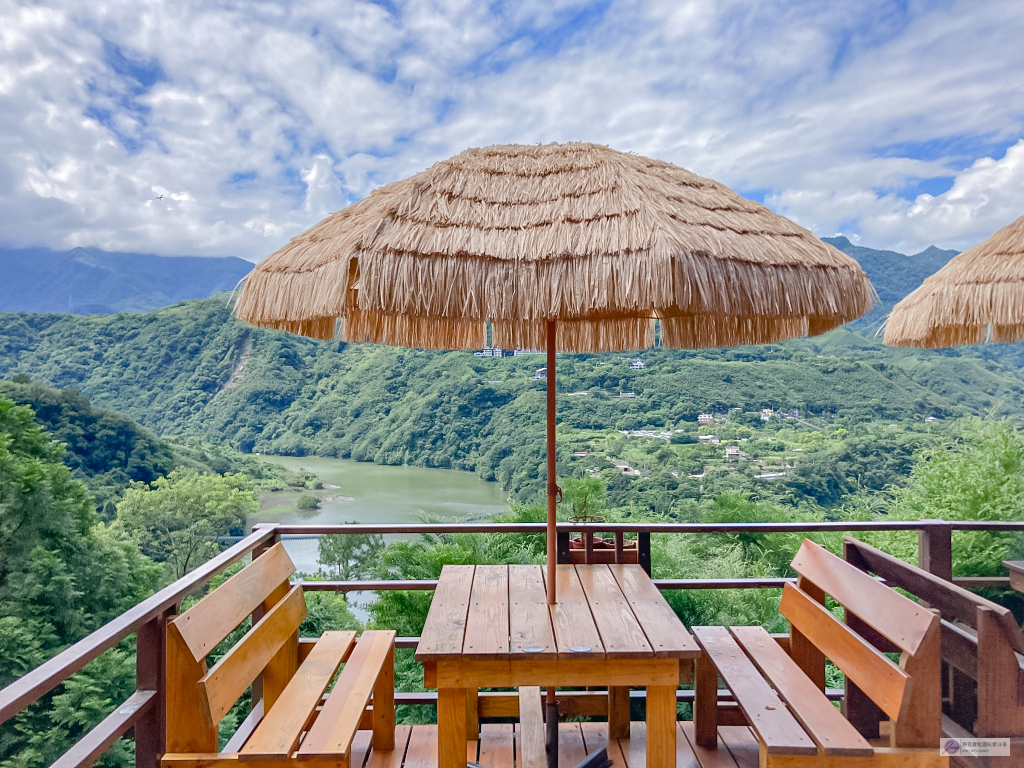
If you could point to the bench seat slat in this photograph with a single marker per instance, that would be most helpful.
(775, 726)
(331, 734)
(883, 681)
(832, 732)
(278, 735)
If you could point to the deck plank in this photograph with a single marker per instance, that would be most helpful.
(360, 749)
(707, 758)
(634, 749)
(595, 736)
(422, 749)
(742, 744)
(395, 757)
(685, 756)
(496, 745)
(571, 749)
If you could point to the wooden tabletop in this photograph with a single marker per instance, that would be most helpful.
(1016, 569)
(500, 612)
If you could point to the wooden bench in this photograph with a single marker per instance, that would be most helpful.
(982, 649)
(781, 695)
(287, 721)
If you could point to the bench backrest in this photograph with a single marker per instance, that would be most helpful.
(908, 692)
(954, 603)
(197, 697)
(980, 641)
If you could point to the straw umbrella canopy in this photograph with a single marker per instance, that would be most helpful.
(978, 296)
(599, 242)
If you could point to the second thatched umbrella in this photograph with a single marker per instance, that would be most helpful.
(574, 247)
(978, 296)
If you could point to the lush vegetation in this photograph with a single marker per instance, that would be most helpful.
(108, 451)
(64, 571)
(62, 574)
(191, 370)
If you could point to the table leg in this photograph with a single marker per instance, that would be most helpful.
(661, 726)
(705, 703)
(451, 728)
(618, 712)
(472, 714)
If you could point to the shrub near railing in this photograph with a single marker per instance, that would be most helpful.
(143, 712)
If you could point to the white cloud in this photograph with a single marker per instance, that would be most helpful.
(254, 121)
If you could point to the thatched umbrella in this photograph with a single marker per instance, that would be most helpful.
(978, 296)
(523, 237)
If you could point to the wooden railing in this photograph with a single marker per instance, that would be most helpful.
(144, 712)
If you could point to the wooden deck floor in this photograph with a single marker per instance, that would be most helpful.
(416, 747)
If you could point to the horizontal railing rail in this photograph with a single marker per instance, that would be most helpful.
(639, 527)
(144, 710)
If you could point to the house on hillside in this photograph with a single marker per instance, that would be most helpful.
(705, 418)
(733, 453)
(766, 414)
(490, 352)
(541, 374)
(637, 364)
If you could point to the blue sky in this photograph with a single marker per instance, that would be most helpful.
(219, 128)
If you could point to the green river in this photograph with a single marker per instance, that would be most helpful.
(363, 492)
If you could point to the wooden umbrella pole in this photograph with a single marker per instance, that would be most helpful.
(553, 491)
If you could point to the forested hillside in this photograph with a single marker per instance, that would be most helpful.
(108, 451)
(192, 369)
(893, 274)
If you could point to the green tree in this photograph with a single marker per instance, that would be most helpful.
(349, 556)
(977, 477)
(62, 575)
(175, 519)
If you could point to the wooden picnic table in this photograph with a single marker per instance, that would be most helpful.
(489, 626)
(1016, 569)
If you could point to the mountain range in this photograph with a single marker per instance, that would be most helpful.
(86, 281)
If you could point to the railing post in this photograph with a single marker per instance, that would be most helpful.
(150, 660)
(643, 550)
(935, 548)
(563, 547)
